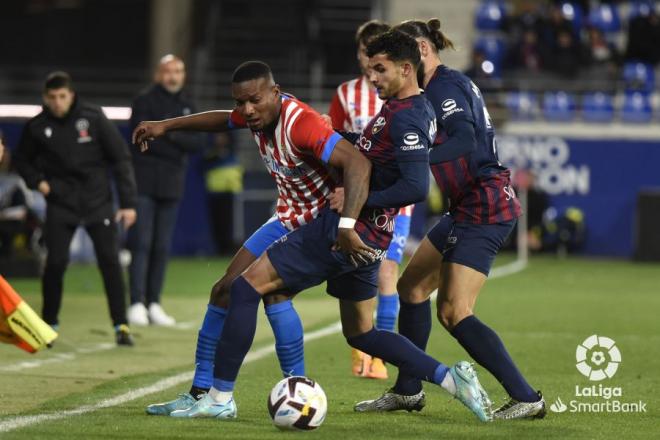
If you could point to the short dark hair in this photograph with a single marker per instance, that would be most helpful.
(58, 80)
(397, 46)
(367, 31)
(251, 70)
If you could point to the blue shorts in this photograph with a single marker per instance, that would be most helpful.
(469, 244)
(267, 234)
(304, 258)
(398, 243)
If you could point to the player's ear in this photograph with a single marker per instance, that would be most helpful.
(407, 69)
(276, 90)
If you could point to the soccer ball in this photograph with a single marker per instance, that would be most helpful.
(297, 403)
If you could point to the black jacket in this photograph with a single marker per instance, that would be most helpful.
(73, 155)
(160, 171)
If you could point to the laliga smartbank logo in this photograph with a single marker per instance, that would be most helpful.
(597, 358)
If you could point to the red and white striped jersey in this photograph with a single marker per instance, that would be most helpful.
(296, 160)
(355, 103)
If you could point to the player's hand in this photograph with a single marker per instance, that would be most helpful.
(44, 188)
(336, 199)
(126, 217)
(147, 131)
(350, 243)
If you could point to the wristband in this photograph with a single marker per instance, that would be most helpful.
(346, 222)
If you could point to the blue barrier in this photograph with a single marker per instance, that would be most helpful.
(600, 176)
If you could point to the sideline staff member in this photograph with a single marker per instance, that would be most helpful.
(65, 152)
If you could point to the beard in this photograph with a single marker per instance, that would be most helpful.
(420, 74)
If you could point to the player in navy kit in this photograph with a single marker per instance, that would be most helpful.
(456, 255)
(396, 142)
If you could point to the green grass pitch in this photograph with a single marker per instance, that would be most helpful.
(541, 313)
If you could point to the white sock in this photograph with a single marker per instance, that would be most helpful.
(220, 396)
(448, 384)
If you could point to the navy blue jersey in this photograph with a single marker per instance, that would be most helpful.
(401, 132)
(476, 184)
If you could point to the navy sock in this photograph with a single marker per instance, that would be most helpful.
(485, 347)
(388, 308)
(238, 332)
(415, 323)
(399, 351)
(288, 331)
(207, 340)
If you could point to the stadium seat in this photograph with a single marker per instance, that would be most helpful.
(640, 7)
(573, 13)
(597, 107)
(605, 17)
(522, 106)
(493, 49)
(558, 106)
(638, 77)
(636, 107)
(489, 15)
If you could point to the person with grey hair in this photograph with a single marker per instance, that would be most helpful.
(160, 174)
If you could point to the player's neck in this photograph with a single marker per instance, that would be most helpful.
(411, 88)
(430, 67)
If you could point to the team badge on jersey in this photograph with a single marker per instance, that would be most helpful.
(378, 125)
(82, 125)
(48, 132)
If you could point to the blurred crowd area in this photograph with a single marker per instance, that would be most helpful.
(569, 60)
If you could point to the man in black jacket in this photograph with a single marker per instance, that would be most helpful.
(65, 152)
(160, 174)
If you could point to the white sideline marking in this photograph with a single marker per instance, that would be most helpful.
(185, 325)
(58, 357)
(24, 421)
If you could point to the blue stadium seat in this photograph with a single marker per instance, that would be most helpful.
(573, 13)
(558, 106)
(489, 15)
(494, 50)
(597, 107)
(640, 7)
(522, 106)
(636, 107)
(605, 17)
(638, 77)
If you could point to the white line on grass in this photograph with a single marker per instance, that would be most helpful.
(58, 357)
(24, 421)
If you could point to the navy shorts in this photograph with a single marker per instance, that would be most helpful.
(304, 258)
(469, 244)
(398, 243)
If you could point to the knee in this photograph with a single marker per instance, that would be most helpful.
(450, 314)
(411, 293)
(275, 298)
(220, 292)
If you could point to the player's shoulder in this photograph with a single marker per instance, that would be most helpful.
(446, 79)
(92, 111)
(414, 108)
(348, 84)
(37, 120)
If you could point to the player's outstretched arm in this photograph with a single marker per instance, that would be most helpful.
(216, 120)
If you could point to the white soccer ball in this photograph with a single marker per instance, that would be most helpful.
(297, 403)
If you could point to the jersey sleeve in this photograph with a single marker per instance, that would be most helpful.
(337, 112)
(410, 136)
(236, 121)
(450, 103)
(312, 135)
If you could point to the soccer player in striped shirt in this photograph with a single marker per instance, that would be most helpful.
(353, 106)
(292, 139)
(456, 255)
(347, 251)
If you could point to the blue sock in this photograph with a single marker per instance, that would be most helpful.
(238, 332)
(485, 347)
(415, 323)
(388, 308)
(398, 351)
(207, 339)
(288, 332)
(223, 385)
